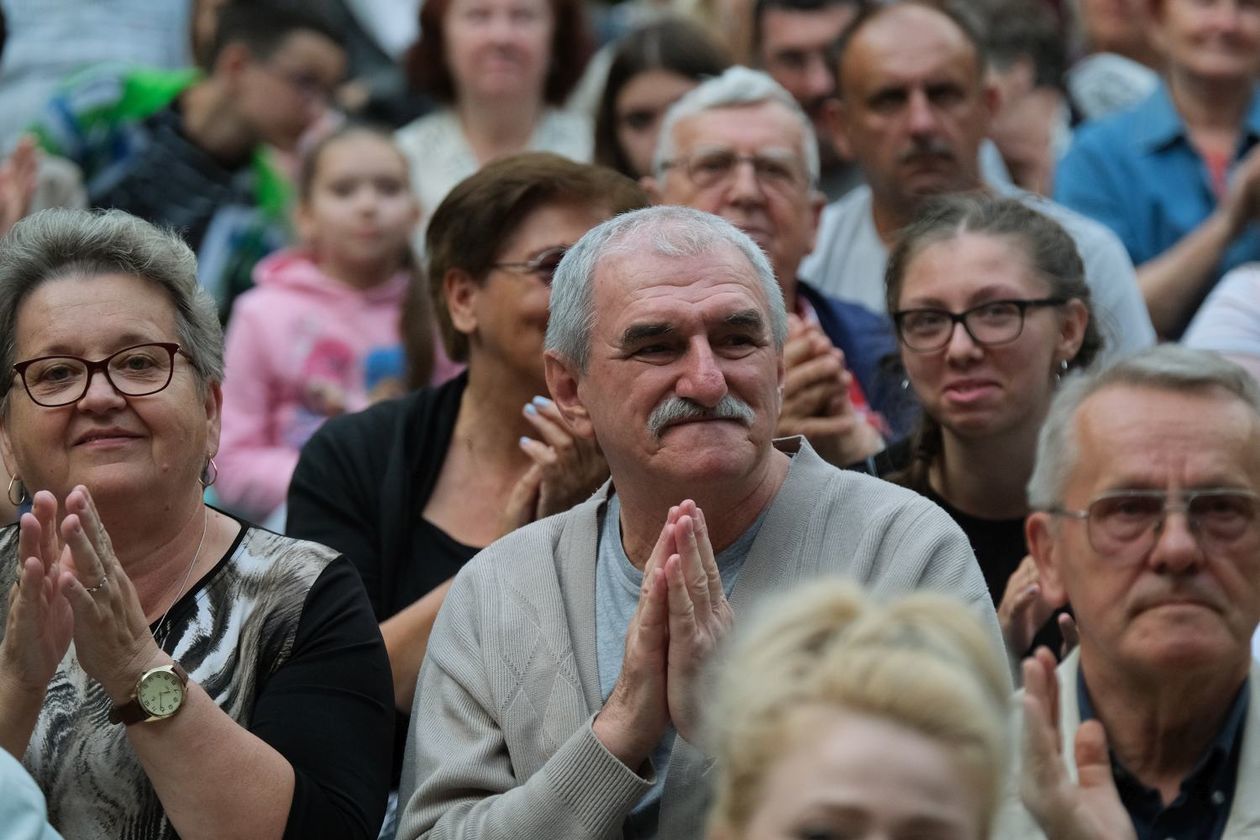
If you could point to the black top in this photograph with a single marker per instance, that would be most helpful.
(1202, 806)
(280, 636)
(361, 485)
(998, 544)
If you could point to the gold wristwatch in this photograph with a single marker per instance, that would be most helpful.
(159, 694)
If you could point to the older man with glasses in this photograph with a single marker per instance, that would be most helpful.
(739, 146)
(1147, 488)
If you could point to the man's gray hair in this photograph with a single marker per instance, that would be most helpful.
(59, 243)
(669, 231)
(1166, 367)
(737, 87)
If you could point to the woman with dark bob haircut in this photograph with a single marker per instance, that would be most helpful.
(651, 68)
(412, 488)
(501, 69)
(224, 681)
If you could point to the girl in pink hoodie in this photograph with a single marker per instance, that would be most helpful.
(298, 341)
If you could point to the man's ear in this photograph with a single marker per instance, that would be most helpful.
(461, 290)
(562, 382)
(834, 119)
(1040, 533)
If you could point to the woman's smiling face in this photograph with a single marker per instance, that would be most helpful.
(114, 444)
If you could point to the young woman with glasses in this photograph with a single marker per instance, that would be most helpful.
(991, 309)
(412, 488)
(206, 651)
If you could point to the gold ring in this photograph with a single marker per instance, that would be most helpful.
(92, 590)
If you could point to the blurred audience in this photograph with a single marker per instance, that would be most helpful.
(186, 150)
(1117, 62)
(913, 109)
(209, 656)
(1177, 177)
(835, 716)
(991, 308)
(500, 69)
(299, 341)
(412, 488)
(48, 41)
(664, 344)
(1148, 521)
(1229, 320)
(651, 68)
(1027, 63)
(793, 42)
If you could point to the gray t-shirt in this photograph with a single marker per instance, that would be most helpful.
(617, 586)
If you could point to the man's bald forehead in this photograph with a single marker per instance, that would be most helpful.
(889, 17)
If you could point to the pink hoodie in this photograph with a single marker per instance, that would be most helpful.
(294, 355)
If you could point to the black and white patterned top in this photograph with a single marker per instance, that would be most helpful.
(281, 636)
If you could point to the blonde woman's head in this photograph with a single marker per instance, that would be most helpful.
(841, 717)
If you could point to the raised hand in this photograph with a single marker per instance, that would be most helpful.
(816, 400)
(1024, 609)
(1089, 809)
(111, 634)
(40, 623)
(635, 717)
(17, 182)
(571, 467)
(699, 617)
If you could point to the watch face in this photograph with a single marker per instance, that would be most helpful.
(160, 693)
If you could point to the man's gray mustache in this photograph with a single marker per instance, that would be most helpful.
(678, 409)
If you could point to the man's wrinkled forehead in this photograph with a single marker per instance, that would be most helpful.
(618, 269)
(900, 29)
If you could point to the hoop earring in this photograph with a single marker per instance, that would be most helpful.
(210, 473)
(22, 498)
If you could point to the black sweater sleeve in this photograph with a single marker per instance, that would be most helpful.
(329, 710)
(334, 496)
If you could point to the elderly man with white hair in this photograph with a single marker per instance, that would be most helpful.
(835, 392)
(1147, 487)
(560, 693)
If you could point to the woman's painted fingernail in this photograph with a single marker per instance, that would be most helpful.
(526, 441)
(530, 409)
(542, 402)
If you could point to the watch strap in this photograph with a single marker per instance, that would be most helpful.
(131, 711)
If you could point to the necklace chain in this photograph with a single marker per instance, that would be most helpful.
(179, 591)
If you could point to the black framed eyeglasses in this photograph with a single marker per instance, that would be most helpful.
(989, 324)
(136, 371)
(543, 265)
(1127, 523)
(706, 168)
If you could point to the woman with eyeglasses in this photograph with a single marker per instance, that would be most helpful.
(209, 657)
(991, 309)
(412, 488)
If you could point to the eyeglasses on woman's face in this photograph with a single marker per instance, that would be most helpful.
(136, 371)
(989, 324)
(543, 265)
